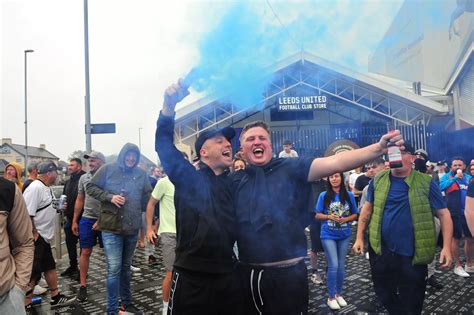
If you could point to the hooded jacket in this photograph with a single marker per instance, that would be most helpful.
(18, 169)
(16, 239)
(132, 182)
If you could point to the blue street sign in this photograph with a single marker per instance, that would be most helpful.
(102, 128)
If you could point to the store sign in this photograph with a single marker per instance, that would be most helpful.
(301, 103)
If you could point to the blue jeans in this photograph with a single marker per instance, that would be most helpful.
(336, 251)
(119, 250)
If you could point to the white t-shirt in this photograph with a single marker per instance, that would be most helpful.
(353, 177)
(292, 154)
(39, 200)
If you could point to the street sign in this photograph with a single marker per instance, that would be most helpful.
(102, 128)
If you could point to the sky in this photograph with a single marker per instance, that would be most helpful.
(138, 48)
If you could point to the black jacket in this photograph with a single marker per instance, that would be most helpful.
(205, 216)
(70, 190)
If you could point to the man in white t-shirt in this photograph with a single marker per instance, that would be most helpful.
(353, 177)
(287, 150)
(42, 205)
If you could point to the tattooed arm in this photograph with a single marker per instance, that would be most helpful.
(364, 219)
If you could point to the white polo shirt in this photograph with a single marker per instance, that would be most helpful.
(39, 200)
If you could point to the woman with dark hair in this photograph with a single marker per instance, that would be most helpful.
(336, 208)
(238, 164)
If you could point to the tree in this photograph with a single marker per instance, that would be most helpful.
(77, 154)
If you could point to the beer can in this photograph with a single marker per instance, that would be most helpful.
(36, 300)
(62, 201)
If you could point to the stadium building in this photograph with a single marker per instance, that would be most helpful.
(318, 104)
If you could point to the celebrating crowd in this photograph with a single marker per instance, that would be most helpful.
(232, 230)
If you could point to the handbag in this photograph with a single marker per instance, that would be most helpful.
(110, 218)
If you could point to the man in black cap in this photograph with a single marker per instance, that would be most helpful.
(204, 277)
(42, 207)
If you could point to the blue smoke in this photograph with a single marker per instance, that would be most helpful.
(236, 55)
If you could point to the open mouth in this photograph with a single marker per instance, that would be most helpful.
(226, 153)
(258, 152)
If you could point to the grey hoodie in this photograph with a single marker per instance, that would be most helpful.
(116, 178)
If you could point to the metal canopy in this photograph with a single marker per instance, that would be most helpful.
(351, 88)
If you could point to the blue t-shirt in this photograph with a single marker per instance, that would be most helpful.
(331, 229)
(455, 190)
(397, 226)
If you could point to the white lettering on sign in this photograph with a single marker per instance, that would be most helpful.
(302, 103)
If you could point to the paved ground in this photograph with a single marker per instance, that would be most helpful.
(457, 296)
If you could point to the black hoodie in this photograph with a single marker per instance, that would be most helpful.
(205, 217)
(70, 190)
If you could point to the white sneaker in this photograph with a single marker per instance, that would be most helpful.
(316, 278)
(134, 269)
(469, 269)
(333, 304)
(340, 300)
(38, 290)
(459, 270)
(43, 283)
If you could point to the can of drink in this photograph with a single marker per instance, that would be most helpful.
(62, 201)
(36, 300)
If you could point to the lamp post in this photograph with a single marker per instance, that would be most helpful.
(140, 139)
(26, 107)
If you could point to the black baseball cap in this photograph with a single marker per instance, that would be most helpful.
(227, 132)
(45, 167)
(408, 148)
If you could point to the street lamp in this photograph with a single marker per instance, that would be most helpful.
(140, 139)
(26, 107)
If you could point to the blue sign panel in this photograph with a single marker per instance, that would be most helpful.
(102, 128)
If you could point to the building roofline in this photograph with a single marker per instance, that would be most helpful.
(429, 105)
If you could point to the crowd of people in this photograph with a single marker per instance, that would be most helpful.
(231, 227)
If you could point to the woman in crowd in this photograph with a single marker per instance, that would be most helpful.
(238, 164)
(336, 208)
(13, 173)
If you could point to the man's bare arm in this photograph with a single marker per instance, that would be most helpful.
(77, 212)
(347, 160)
(469, 212)
(445, 257)
(364, 219)
(150, 211)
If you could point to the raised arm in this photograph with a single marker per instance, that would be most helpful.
(347, 160)
(180, 171)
